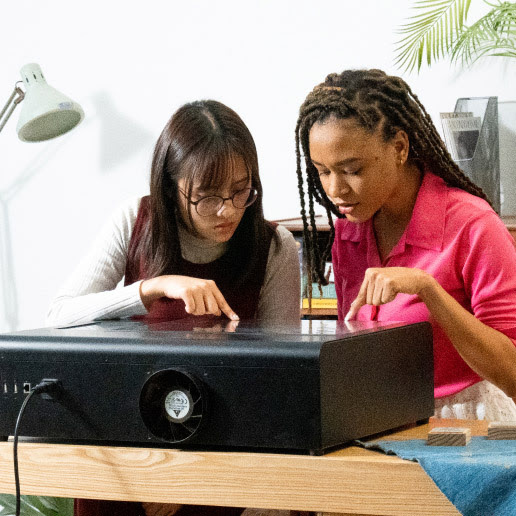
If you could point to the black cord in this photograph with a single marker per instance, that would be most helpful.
(53, 388)
(15, 452)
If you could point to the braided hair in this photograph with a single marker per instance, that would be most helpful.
(375, 101)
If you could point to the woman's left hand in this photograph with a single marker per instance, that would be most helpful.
(381, 285)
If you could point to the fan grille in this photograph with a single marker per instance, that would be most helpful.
(172, 405)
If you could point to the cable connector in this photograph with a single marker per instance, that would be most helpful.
(49, 388)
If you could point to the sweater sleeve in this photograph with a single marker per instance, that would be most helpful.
(280, 295)
(91, 292)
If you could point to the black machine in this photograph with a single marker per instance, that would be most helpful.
(198, 385)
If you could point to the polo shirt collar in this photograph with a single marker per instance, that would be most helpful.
(353, 231)
(426, 227)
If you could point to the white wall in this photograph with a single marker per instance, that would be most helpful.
(131, 64)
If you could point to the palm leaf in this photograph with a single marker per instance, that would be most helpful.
(430, 32)
(36, 505)
(492, 35)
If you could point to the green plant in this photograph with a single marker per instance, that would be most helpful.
(439, 29)
(36, 506)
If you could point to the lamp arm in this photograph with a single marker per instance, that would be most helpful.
(16, 97)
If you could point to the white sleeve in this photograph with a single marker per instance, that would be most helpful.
(280, 297)
(90, 293)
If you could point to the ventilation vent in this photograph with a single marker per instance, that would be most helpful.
(172, 405)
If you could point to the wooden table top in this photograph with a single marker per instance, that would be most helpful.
(296, 224)
(351, 480)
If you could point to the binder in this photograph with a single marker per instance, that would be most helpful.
(483, 167)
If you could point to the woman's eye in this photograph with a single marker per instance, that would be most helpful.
(323, 172)
(353, 172)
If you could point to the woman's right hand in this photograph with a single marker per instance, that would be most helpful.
(201, 296)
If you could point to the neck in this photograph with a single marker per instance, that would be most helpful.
(399, 211)
(390, 222)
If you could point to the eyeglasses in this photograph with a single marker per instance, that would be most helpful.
(213, 203)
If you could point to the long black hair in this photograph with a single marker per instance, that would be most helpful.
(376, 101)
(199, 144)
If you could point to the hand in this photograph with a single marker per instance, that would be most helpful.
(201, 296)
(382, 285)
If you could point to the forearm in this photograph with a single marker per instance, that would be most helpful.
(150, 291)
(122, 302)
(490, 353)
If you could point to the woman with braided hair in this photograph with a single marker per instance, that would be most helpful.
(414, 238)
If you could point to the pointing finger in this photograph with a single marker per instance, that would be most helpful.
(353, 310)
(223, 305)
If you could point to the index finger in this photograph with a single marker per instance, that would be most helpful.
(358, 302)
(223, 305)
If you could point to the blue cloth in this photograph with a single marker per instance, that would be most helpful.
(479, 479)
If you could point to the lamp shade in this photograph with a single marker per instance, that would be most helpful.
(46, 112)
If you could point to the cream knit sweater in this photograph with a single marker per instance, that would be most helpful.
(94, 291)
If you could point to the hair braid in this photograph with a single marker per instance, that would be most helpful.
(376, 101)
(307, 237)
(316, 259)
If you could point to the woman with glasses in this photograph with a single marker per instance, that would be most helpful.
(198, 244)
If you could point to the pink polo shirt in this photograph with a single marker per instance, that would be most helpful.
(458, 239)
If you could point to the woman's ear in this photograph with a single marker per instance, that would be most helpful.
(401, 147)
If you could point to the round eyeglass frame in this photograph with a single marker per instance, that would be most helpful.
(253, 195)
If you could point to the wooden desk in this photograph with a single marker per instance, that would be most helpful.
(295, 225)
(351, 480)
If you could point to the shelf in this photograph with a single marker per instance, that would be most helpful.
(319, 313)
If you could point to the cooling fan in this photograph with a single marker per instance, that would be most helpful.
(172, 405)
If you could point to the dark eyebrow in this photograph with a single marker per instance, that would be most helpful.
(340, 163)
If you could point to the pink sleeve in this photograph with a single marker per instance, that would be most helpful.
(489, 272)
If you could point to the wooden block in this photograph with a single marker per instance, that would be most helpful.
(448, 436)
(501, 430)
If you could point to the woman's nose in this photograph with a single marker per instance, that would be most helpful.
(227, 207)
(337, 185)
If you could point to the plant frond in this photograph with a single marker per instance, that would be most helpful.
(36, 505)
(492, 35)
(430, 31)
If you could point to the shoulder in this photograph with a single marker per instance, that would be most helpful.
(455, 205)
(444, 216)
(127, 211)
(465, 204)
(282, 241)
(121, 223)
(465, 211)
(128, 208)
(283, 234)
(471, 223)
